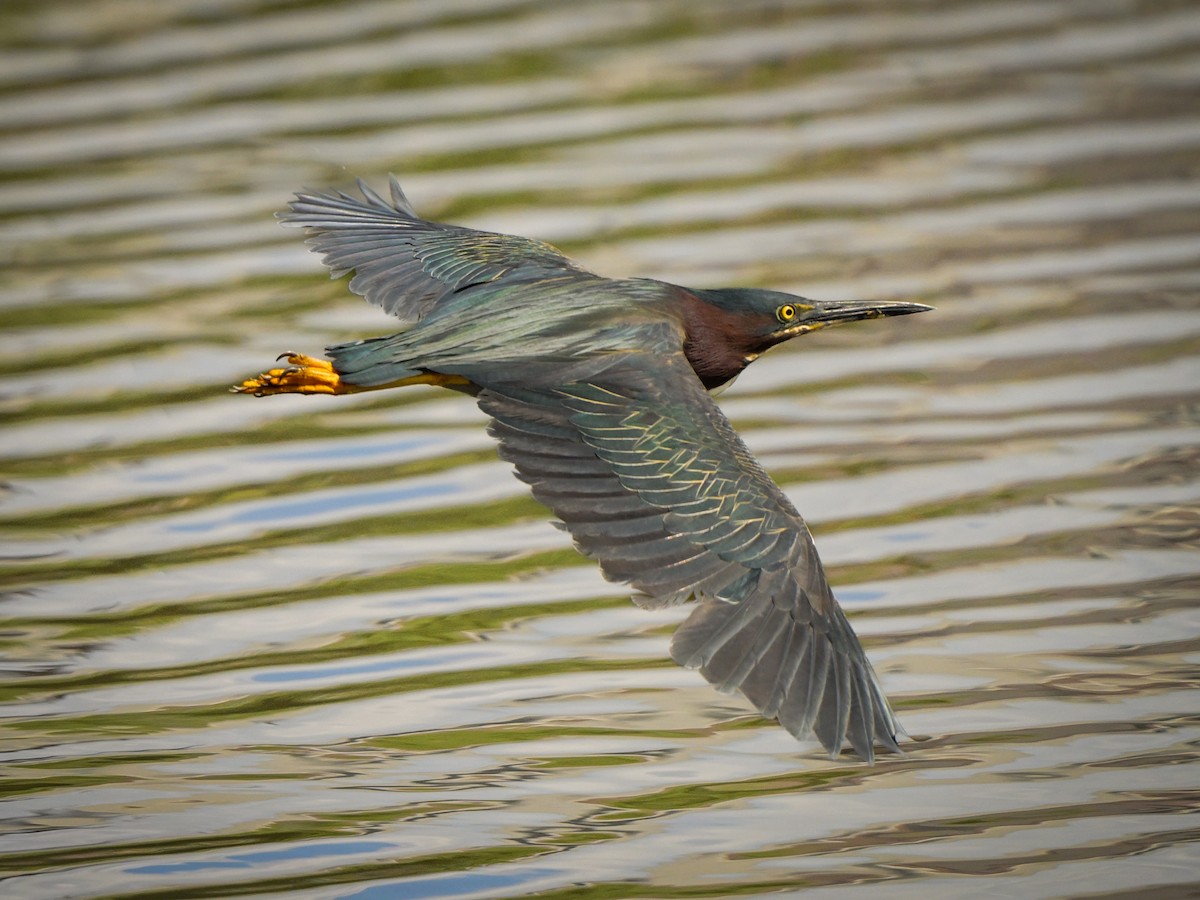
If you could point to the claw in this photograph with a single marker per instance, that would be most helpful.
(300, 360)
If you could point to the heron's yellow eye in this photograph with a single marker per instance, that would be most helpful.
(786, 313)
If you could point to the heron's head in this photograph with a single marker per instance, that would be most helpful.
(730, 327)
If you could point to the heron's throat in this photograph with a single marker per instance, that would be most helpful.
(717, 343)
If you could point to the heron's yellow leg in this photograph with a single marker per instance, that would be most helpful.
(308, 375)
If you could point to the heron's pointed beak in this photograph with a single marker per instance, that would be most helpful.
(836, 312)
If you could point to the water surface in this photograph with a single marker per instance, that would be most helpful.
(328, 647)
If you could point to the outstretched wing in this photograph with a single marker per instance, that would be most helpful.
(655, 485)
(405, 264)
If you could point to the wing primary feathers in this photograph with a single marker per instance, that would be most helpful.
(398, 199)
(373, 198)
(708, 629)
(759, 683)
(834, 710)
(859, 726)
(796, 643)
(747, 650)
(804, 695)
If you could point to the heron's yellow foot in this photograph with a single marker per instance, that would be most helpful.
(302, 375)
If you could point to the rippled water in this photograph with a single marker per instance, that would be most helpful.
(329, 647)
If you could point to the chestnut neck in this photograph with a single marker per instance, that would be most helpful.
(718, 342)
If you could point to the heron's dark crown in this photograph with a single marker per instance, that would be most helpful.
(747, 300)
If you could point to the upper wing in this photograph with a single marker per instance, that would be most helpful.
(404, 263)
(653, 482)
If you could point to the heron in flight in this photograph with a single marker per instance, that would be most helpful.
(600, 394)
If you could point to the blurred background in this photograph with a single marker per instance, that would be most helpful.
(329, 647)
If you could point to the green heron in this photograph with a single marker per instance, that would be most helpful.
(599, 393)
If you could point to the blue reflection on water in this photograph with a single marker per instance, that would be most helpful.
(404, 662)
(335, 450)
(449, 885)
(312, 506)
(857, 595)
(901, 537)
(274, 512)
(248, 860)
